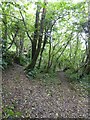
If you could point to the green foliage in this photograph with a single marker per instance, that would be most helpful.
(64, 17)
(9, 112)
(85, 82)
(23, 60)
(7, 58)
(48, 78)
(82, 83)
(10, 57)
(72, 75)
(3, 64)
(33, 73)
(1, 67)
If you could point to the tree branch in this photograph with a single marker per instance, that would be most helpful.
(25, 25)
(11, 16)
(13, 39)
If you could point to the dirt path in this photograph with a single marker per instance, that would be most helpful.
(36, 100)
(65, 82)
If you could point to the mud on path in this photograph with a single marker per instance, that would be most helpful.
(37, 100)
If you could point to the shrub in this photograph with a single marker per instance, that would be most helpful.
(9, 112)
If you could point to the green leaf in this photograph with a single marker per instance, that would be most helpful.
(10, 112)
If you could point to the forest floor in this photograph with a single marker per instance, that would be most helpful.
(36, 99)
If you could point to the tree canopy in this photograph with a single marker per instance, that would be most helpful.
(46, 35)
(45, 58)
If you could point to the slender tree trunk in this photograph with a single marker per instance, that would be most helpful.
(4, 32)
(70, 37)
(70, 54)
(44, 43)
(21, 47)
(36, 51)
(49, 59)
(76, 49)
(36, 32)
(87, 68)
(17, 48)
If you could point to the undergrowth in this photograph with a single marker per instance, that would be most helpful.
(46, 78)
(9, 112)
(81, 83)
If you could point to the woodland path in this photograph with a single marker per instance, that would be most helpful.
(37, 100)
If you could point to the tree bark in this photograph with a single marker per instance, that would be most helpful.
(44, 43)
(21, 47)
(37, 41)
(49, 58)
(87, 67)
(4, 32)
(36, 32)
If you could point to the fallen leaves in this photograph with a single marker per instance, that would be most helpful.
(37, 99)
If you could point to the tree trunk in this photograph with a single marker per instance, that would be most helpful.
(37, 43)
(49, 59)
(44, 43)
(4, 32)
(36, 32)
(87, 68)
(21, 47)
